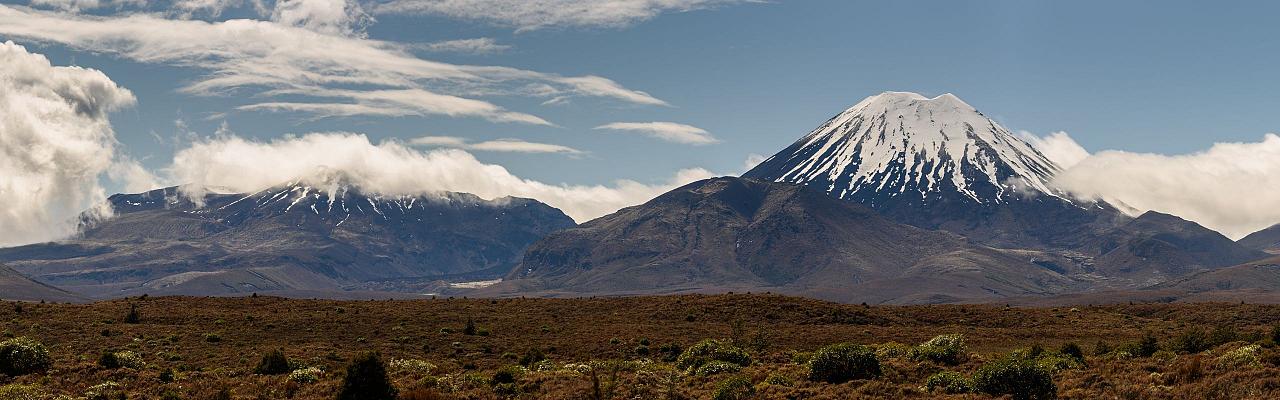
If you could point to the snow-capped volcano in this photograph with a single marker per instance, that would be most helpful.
(907, 146)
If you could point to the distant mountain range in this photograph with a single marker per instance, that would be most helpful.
(899, 199)
(290, 238)
(1267, 240)
(988, 223)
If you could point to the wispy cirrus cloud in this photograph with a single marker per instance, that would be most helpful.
(668, 131)
(537, 14)
(497, 145)
(312, 50)
(466, 46)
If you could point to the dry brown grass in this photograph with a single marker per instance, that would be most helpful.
(326, 334)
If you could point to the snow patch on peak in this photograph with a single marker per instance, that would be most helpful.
(902, 143)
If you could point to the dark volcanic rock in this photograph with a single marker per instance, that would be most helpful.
(293, 237)
(1155, 247)
(741, 234)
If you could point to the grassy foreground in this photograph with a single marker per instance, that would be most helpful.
(765, 346)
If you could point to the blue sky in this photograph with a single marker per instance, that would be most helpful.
(1170, 78)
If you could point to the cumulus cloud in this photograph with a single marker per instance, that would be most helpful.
(1233, 188)
(498, 145)
(536, 14)
(77, 5)
(1059, 147)
(392, 168)
(55, 143)
(468, 46)
(668, 131)
(310, 59)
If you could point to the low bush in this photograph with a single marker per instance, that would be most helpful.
(366, 379)
(306, 375)
(949, 382)
(507, 375)
(710, 350)
(716, 368)
(414, 367)
(273, 363)
(1243, 357)
(1191, 341)
(843, 362)
(1015, 375)
(734, 388)
(21, 392)
(105, 391)
(22, 356)
(945, 349)
(120, 359)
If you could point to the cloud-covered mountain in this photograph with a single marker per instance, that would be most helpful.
(289, 238)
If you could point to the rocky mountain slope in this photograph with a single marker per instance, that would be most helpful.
(726, 234)
(15, 286)
(292, 237)
(1267, 240)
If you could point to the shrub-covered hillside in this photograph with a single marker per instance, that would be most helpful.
(677, 347)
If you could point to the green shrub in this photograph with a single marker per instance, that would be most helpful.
(305, 375)
(1054, 362)
(1223, 334)
(1275, 334)
(839, 363)
(212, 337)
(413, 367)
(273, 363)
(507, 375)
(22, 356)
(710, 350)
(949, 382)
(734, 388)
(105, 391)
(1014, 375)
(120, 359)
(531, 357)
(1192, 340)
(20, 392)
(892, 350)
(1244, 357)
(133, 317)
(1072, 350)
(945, 349)
(779, 380)
(716, 368)
(366, 379)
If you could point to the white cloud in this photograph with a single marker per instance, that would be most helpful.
(468, 46)
(1233, 188)
(55, 143)
(1059, 147)
(392, 168)
(335, 17)
(313, 55)
(498, 145)
(668, 131)
(77, 5)
(537, 14)
(752, 161)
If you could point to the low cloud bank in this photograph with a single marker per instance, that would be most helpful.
(1233, 188)
(234, 163)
